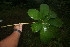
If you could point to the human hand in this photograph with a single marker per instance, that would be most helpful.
(18, 27)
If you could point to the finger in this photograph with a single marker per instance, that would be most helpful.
(16, 26)
(20, 27)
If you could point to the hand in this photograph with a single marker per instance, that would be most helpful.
(18, 27)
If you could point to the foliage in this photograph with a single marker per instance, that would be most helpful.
(48, 22)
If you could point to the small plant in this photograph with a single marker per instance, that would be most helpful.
(48, 23)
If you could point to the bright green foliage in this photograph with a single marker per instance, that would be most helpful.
(34, 14)
(36, 27)
(44, 10)
(48, 23)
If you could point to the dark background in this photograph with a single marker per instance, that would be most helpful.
(15, 11)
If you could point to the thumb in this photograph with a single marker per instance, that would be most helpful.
(20, 27)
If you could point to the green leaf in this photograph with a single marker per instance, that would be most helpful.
(56, 22)
(36, 27)
(52, 14)
(34, 14)
(48, 33)
(44, 10)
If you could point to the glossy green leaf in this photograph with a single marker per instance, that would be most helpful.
(44, 10)
(36, 27)
(48, 33)
(34, 14)
(56, 22)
